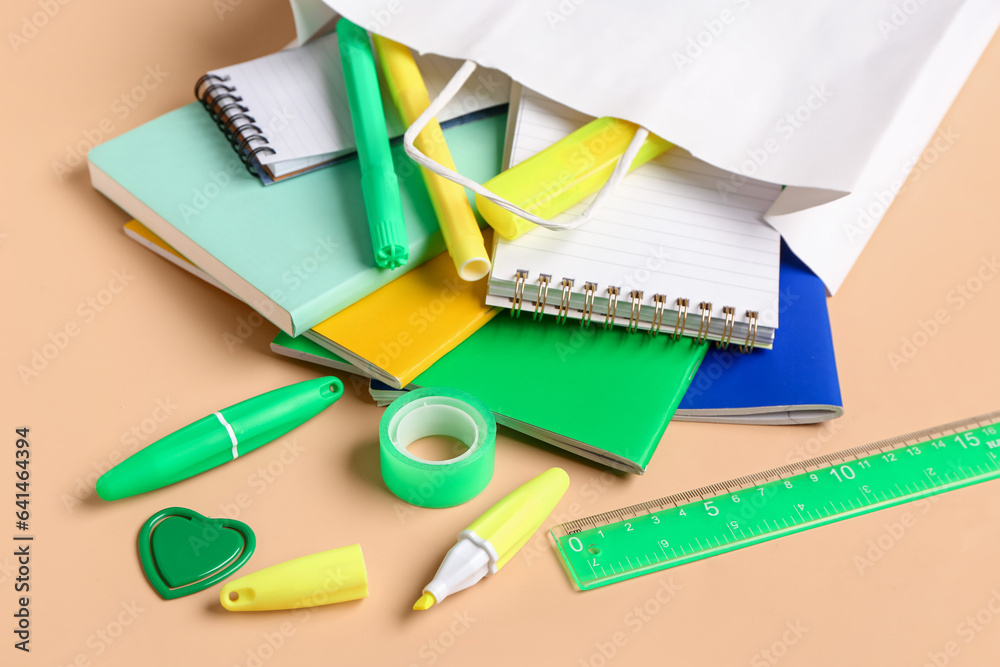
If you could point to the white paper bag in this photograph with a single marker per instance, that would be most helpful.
(822, 96)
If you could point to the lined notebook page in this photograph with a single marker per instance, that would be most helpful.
(297, 97)
(667, 230)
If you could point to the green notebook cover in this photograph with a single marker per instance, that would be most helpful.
(604, 394)
(298, 251)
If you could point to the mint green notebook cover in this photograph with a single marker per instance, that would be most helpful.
(604, 394)
(298, 251)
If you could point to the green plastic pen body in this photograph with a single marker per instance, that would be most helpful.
(218, 438)
(379, 185)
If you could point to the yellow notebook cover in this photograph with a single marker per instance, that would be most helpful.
(394, 333)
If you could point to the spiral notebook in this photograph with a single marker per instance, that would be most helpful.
(286, 113)
(671, 251)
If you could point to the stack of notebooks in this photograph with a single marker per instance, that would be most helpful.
(298, 251)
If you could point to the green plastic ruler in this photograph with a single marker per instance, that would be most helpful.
(678, 529)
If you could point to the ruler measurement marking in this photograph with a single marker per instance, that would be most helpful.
(885, 478)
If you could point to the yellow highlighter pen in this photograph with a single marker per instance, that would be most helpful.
(459, 227)
(563, 174)
(492, 539)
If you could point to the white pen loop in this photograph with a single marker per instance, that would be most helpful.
(447, 94)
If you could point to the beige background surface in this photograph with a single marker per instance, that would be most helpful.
(155, 357)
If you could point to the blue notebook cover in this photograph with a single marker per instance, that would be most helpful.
(794, 383)
(297, 252)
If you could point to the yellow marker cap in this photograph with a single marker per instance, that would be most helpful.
(328, 577)
(563, 174)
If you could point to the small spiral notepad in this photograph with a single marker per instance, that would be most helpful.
(671, 253)
(287, 113)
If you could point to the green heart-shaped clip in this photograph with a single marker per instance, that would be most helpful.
(183, 552)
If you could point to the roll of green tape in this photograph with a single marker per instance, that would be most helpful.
(437, 411)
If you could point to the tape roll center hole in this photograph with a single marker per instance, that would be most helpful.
(441, 433)
(437, 448)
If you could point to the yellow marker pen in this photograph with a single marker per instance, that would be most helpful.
(459, 227)
(492, 539)
(551, 181)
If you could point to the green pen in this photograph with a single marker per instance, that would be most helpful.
(222, 436)
(379, 186)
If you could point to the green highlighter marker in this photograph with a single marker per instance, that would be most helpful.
(379, 186)
(222, 436)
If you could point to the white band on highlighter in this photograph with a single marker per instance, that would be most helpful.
(232, 434)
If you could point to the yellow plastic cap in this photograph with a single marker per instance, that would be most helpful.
(471, 260)
(328, 577)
